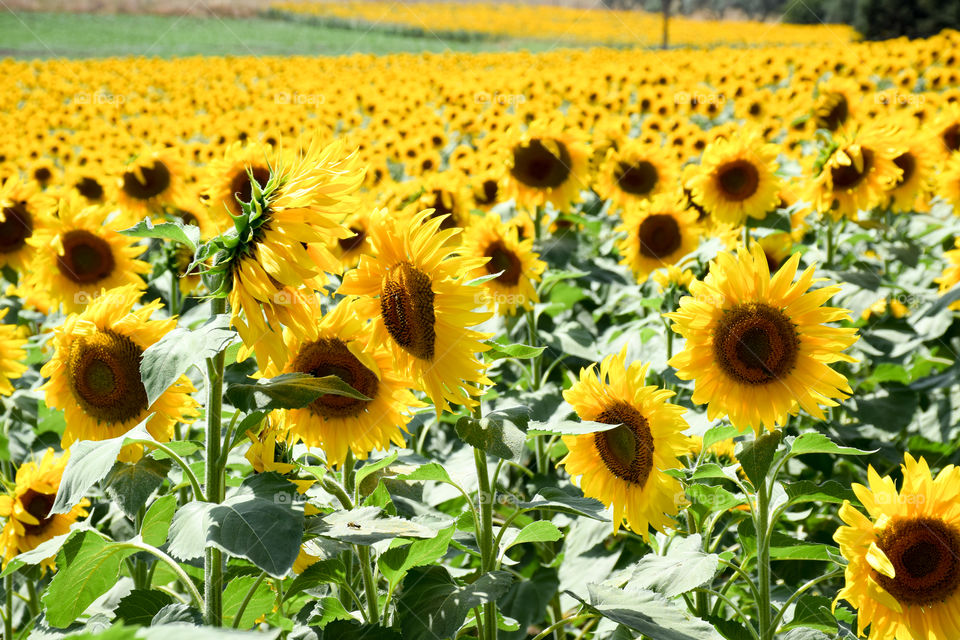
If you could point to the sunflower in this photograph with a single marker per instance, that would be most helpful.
(776, 248)
(625, 466)
(285, 233)
(949, 183)
(228, 179)
(23, 209)
(150, 181)
(836, 104)
(348, 250)
(736, 178)
(487, 188)
(659, 233)
(912, 189)
(951, 273)
(947, 132)
(672, 275)
(757, 346)
(856, 174)
(544, 165)
(78, 255)
(903, 571)
(264, 446)
(634, 173)
(521, 267)
(94, 375)
(342, 345)
(27, 507)
(12, 354)
(414, 290)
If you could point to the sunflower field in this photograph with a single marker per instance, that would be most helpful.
(585, 344)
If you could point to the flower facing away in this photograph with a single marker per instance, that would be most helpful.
(758, 346)
(624, 466)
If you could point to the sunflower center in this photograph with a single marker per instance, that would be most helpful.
(627, 450)
(353, 242)
(738, 180)
(332, 357)
(637, 179)
(925, 553)
(505, 260)
(156, 180)
(104, 374)
(951, 137)
(846, 176)
(38, 505)
(89, 188)
(443, 205)
(42, 175)
(538, 166)
(659, 236)
(242, 188)
(406, 302)
(488, 192)
(16, 227)
(907, 165)
(755, 343)
(834, 112)
(86, 258)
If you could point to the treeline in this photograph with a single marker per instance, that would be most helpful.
(874, 19)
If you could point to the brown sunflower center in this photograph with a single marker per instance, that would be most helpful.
(406, 302)
(925, 553)
(627, 450)
(241, 186)
(86, 258)
(89, 188)
(331, 357)
(488, 192)
(38, 505)
(442, 203)
(738, 180)
(156, 180)
(16, 227)
(951, 137)
(42, 175)
(907, 165)
(638, 179)
(659, 236)
(539, 165)
(104, 374)
(846, 176)
(505, 260)
(833, 112)
(755, 343)
(354, 242)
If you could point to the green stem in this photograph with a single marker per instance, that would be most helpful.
(702, 604)
(560, 624)
(733, 607)
(746, 233)
(174, 294)
(369, 584)
(485, 531)
(799, 592)
(830, 248)
(8, 606)
(213, 557)
(174, 566)
(560, 633)
(187, 471)
(763, 559)
(536, 378)
(246, 600)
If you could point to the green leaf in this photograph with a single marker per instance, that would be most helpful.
(288, 391)
(569, 501)
(432, 606)
(265, 532)
(685, 567)
(819, 443)
(711, 498)
(395, 562)
(719, 434)
(647, 612)
(537, 531)
(813, 612)
(364, 526)
(88, 567)
(44, 550)
(326, 611)
(156, 522)
(431, 471)
(140, 606)
(174, 230)
(527, 600)
(497, 437)
(170, 357)
(188, 530)
(260, 603)
(375, 465)
(130, 485)
(568, 427)
(808, 491)
(499, 351)
(757, 455)
(320, 572)
(177, 613)
(90, 461)
(182, 448)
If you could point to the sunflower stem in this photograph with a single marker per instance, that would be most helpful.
(536, 378)
(246, 600)
(175, 302)
(485, 530)
(8, 606)
(369, 585)
(829, 232)
(763, 559)
(746, 234)
(213, 557)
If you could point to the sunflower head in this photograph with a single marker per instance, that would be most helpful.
(149, 181)
(659, 233)
(27, 508)
(903, 571)
(758, 347)
(546, 164)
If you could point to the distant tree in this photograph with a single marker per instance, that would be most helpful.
(882, 19)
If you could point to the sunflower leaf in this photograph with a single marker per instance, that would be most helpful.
(170, 357)
(757, 456)
(819, 443)
(499, 351)
(141, 605)
(175, 230)
(288, 391)
(130, 485)
(685, 567)
(493, 434)
(156, 522)
(569, 500)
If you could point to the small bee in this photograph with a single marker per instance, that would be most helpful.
(353, 525)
